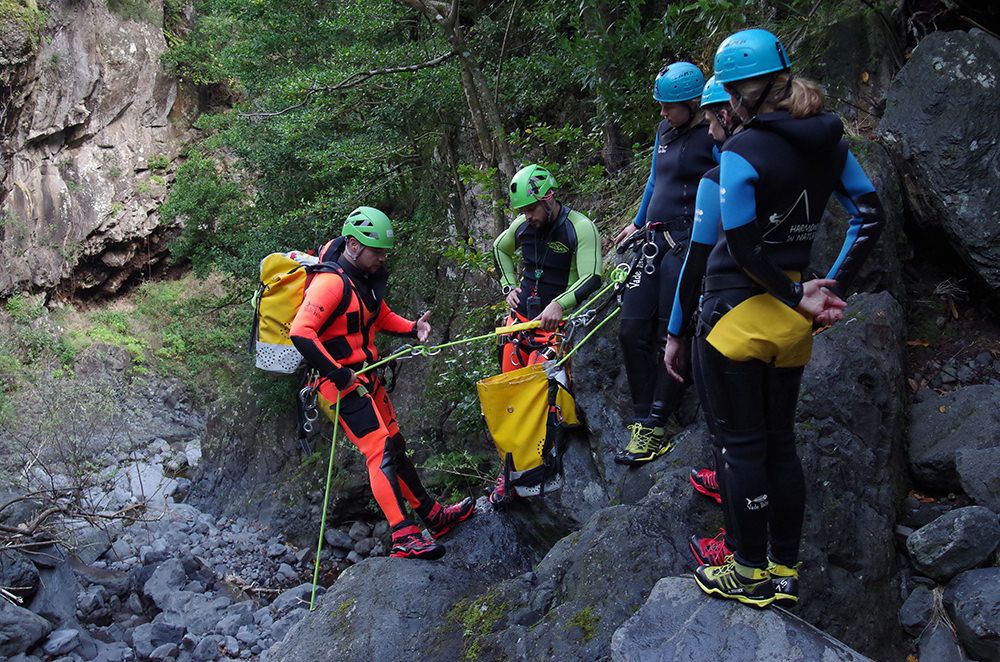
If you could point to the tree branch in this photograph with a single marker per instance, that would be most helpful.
(353, 80)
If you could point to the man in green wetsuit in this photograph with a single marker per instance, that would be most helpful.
(560, 267)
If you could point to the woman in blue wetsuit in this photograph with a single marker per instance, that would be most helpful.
(754, 326)
(682, 152)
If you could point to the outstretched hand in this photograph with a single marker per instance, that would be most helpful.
(423, 327)
(819, 304)
(674, 358)
(624, 234)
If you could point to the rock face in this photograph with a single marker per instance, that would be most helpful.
(678, 623)
(86, 162)
(942, 426)
(934, 123)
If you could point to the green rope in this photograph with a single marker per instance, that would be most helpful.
(326, 500)
(587, 337)
(615, 278)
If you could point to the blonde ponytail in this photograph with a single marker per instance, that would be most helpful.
(803, 98)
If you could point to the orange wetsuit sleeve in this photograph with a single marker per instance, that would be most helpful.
(322, 297)
(394, 324)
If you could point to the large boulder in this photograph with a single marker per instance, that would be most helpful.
(973, 602)
(941, 426)
(948, 153)
(979, 473)
(678, 623)
(961, 539)
(20, 629)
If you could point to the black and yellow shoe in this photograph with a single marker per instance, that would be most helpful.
(751, 586)
(647, 444)
(785, 581)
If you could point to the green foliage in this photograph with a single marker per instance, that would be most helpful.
(455, 474)
(587, 621)
(20, 19)
(158, 162)
(22, 310)
(135, 10)
(113, 328)
(477, 618)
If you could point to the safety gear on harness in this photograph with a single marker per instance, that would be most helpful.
(680, 81)
(442, 519)
(749, 53)
(735, 581)
(369, 226)
(408, 542)
(530, 185)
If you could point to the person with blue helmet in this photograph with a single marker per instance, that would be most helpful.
(754, 324)
(682, 152)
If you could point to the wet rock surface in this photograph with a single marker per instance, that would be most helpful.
(676, 622)
(958, 540)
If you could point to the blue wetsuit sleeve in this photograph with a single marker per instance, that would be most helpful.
(704, 233)
(857, 195)
(647, 193)
(716, 154)
(738, 203)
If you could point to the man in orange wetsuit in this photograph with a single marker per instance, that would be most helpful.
(334, 330)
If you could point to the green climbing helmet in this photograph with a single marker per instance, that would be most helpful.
(530, 184)
(369, 226)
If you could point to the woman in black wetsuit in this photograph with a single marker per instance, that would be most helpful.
(682, 152)
(754, 329)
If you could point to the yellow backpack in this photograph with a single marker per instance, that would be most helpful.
(528, 412)
(283, 281)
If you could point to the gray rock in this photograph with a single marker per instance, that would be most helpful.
(938, 643)
(20, 629)
(965, 419)
(168, 578)
(365, 546)
(354, 557)
(917, 610)
(360, 530)
(60, 642)
(150, 636)
(18, 574)
(92, 605)
(979, 473)
(954, 542)
(248, 635)
(933, 122)
(678, 622)
(233, 621)
(208, 649)
(287, 573)
(275, 550)
(56, 597)
(113, 652)
(165, 651)
(973, 602)
(231, 646)
(295, 598)
(339, 539)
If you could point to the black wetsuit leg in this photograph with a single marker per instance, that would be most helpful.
(638, 332)
(753, 407)
(785, 479)
(667, 392)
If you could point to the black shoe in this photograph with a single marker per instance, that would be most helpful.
(751, 586)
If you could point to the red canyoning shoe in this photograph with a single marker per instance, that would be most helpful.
(710, 551)
(408, 542)
(502, 493)
(706, 481)
(442, 519)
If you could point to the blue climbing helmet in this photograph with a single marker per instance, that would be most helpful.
(749, 53)
(680, 81)
(714, 93)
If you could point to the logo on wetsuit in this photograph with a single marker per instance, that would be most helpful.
(558, 247)
(757, 503)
